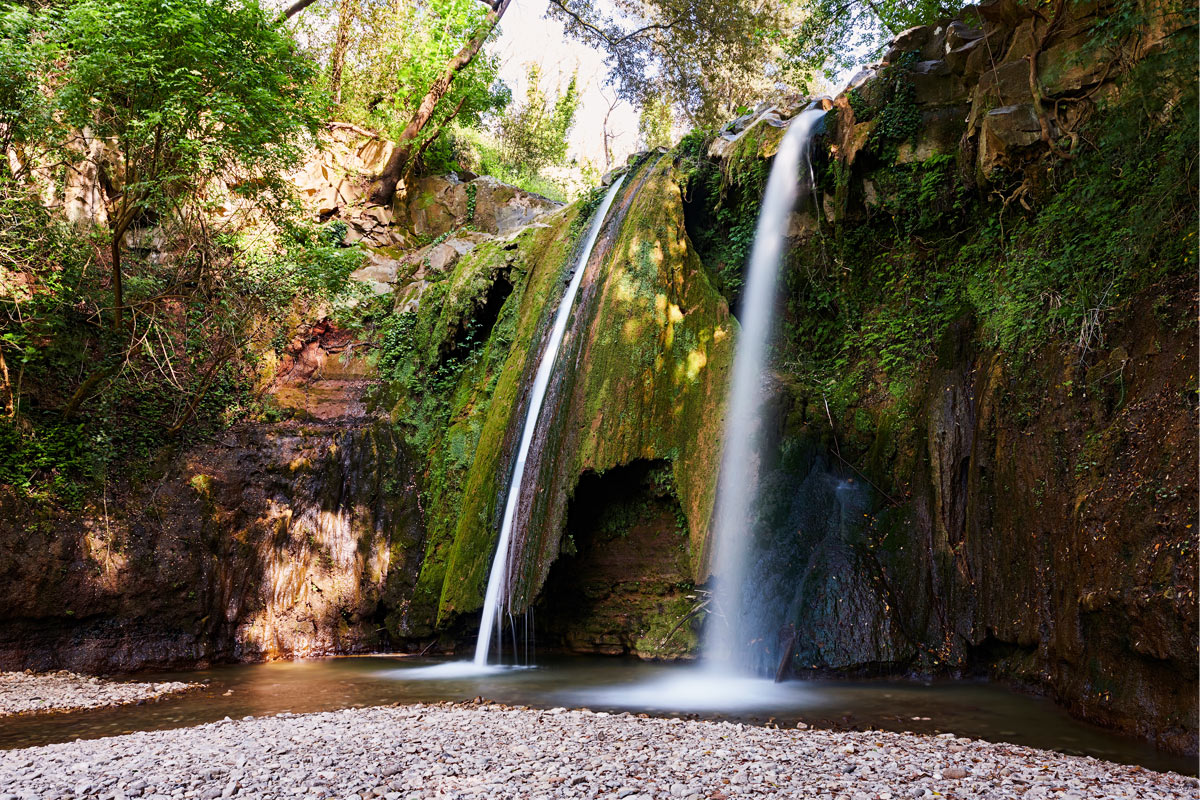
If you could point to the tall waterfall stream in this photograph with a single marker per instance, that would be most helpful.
(498, 578)
(790, 182)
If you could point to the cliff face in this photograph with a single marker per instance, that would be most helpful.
(986, 385)
(641, 377)
(274, 542)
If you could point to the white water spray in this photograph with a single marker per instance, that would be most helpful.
(790, 181)
(498, 578)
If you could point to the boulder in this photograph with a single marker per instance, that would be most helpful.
(934, 84)
(1005, 12)
(502, 209)
(441, 257)
(959, 34)
(1064, 67)
(437, 204)
(940, 133)
(913, 39)
(379, 273)
(1005, 85)
(962, 60)
(1006, 129)
(432, 205)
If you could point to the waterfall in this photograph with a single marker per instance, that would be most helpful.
(498, 578)
(790, 181)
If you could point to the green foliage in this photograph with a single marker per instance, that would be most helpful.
(892, 106)
(835, 36)
(1121, 218)
(587, 205)
(869, 302)
(81, 405)
(656, 123)
(530, 138)
(186, 90)
(534, 133)
(396, 52)
(729, 198)
(472, 197)
(23, 57)
(704, 59)
(478, 151)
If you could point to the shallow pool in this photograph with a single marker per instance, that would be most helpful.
(968, 708)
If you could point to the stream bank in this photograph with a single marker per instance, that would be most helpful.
(494, 751)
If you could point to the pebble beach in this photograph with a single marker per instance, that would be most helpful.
(31, 693)
(487, 750)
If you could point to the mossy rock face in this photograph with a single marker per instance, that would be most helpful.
(463, 415)
(641, 375)
(648, 349)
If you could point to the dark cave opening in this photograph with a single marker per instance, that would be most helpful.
(476, 329)
(623, 578)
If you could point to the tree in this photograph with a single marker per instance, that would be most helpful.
(606, 132)
(346, 17)
(179, 93)
(706, 56)
(835, 35)
(656, 123)
(23, 57)
(535, 134)
(405, 151)
(395, 53)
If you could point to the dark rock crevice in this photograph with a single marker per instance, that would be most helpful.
(622, 582)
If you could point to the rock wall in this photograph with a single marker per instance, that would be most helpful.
(1018, 504)
(642, 369)
(622, 583)
(274, 541)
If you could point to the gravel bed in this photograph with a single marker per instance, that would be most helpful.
(493, 751)
(31, 692)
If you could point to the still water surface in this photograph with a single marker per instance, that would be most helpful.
(967, 708)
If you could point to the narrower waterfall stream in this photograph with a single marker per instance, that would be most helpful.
(498, 578)
(790, 182)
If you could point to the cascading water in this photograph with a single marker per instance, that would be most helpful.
(498, 578)
(790, 181)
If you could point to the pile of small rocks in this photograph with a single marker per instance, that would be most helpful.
(26, 692)
(492, 751)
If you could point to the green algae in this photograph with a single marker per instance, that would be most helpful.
(652, 343)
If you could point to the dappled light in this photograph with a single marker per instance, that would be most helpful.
(583, 399)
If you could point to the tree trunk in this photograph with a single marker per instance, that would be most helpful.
(385, 187)
(412, 164)
(340, 45)
(118, 296)
(121, 224)
(297, 7)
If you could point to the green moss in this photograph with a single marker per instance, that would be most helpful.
(660, 349)
(202, 484)
(668, 634)
(459, 394)
(656, 339)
